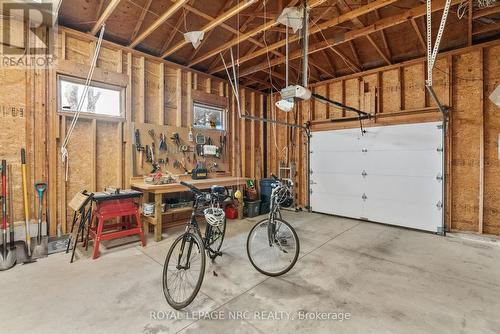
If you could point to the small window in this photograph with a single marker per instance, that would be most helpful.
(101, 99)
(208, 117)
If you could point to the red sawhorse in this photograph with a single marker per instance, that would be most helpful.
(107, 208)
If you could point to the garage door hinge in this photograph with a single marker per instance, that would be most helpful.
(439, 177)
(440, 149)
(440, 126)
(364, 174)
(439, 205)
(364, 150)
(311, 152)
(364, 197)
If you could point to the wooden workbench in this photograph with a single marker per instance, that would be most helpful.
(158, 191)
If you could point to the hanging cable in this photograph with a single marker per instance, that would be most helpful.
(64, 146)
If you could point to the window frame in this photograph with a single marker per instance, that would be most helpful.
(223, 111)
(98, 84)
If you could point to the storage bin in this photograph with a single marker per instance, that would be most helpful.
(251, 209)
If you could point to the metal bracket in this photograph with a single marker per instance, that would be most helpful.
(364, 174)
(440, 126)
(364, 197)
(439, 177)
(441, 231)
(439, 205)
(440, 149)
(364, 150)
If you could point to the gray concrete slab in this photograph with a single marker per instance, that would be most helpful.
(386, 279)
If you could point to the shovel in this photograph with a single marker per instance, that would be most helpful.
(7, 257)
(18, 247)
(40, 248)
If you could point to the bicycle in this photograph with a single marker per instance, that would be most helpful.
(184, 267)
(272, 244)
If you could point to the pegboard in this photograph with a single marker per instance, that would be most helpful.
(173, 153)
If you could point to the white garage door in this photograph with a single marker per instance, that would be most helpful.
(390, 175)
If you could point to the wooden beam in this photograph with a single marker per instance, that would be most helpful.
(213, 24)
(384, 23)
(104, 16)
(317, 28)
(156, 24)
(486, 12)
(469, 23)
(377, 48)
(384, 39)
(171, 37)
(486, 28)
(354, 67)
(161, 94)
(138, 25)
(209, 34)
(263, 27)
(419, 34)
(355, 54)
(178, 91)
(481, 145)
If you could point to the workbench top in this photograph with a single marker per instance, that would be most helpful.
(225, 181)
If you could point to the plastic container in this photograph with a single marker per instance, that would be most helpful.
(251, 209)
(266, 188)
(265, 207)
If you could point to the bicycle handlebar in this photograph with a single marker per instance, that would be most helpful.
(191, 187)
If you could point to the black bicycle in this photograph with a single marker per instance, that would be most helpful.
(272, 244)
(184, 267)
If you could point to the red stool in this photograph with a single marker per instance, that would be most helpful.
(124, 210)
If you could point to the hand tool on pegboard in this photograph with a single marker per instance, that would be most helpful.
(139, 148)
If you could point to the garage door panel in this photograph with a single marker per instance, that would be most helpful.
(411, 163)
(341, 205)
(401, 164)
(404, 213)
(337, 162)
(348, 185)
(417, 189)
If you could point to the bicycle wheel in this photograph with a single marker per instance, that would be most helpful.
(273, 256)
(183, 270)
(216, 237)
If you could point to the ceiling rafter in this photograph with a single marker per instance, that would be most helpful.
(359, 24)
(104, 16)
(355, 54)
(156, 24)
(322, 26)
(384, 23)
(486, 12)
(141, 19)
(421, 39)
(213, 24)
(170, 38)
(224, 7)
(241, 38)
(384, 38)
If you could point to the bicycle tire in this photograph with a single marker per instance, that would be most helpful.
(189, 237)
(295, 256)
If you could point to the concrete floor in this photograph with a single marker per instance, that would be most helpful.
(389, 280)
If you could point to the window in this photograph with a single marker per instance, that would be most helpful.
(101, 99)
(208, 117)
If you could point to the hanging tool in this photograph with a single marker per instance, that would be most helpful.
(41, 243)
(7, 256)
(25, 201)
(152, 134)
(138, 145)
(163, 142)
(190, 135)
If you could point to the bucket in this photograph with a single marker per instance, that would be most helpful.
(266, 188)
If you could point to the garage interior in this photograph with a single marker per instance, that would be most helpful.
(360, 137)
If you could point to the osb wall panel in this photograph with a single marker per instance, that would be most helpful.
(492, 133)
(13, 115)
(108, 150)
(152, 82)
(78, 50)
(336, 94)
(108, 59)
(413, 78)
(391, 91)
(320, 108)
(465, 137)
